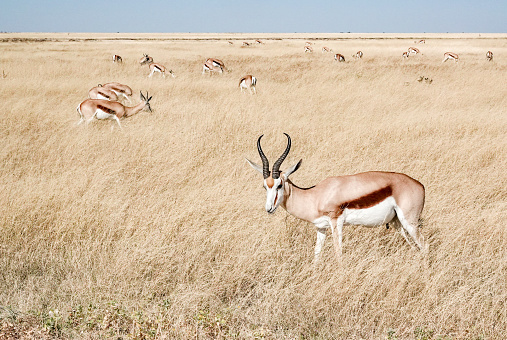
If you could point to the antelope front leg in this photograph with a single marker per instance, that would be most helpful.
(321, 237)
(337, 236)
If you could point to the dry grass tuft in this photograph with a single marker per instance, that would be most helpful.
(158, 231)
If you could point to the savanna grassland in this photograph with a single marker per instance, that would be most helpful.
(158, 230)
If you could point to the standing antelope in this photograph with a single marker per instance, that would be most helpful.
(413, 50)
(248, 82)
(117, 59)
(489, 56)
(213, 65)
(120, 89)
(405, 55)
(308, 49)
(358, 55)
(450, 56)
(370, 199)
(146, 59)
(422, 41)
(246, 43)
(104, 109)
(339, 57)
(326, 49)
(259, 42)
(98, 92)
(156, 67)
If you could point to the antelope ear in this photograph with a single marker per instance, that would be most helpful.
(255, 166)
(292, 169)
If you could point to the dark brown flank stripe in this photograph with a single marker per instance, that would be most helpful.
(104, 95)
(369, 200)
(105, 109)
(117, 89)
(157, 67)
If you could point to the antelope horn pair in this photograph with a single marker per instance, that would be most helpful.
(278, 163)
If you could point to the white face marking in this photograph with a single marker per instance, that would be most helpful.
(274, 194)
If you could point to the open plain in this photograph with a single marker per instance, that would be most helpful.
(158, 230)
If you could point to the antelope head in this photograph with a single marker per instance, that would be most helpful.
(274, 182)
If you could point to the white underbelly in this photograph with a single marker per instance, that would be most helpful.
(103, 115)
(379, 214)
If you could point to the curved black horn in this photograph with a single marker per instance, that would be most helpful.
(265, 162)
(276, 166)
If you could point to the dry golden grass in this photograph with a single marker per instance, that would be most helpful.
(159, 230)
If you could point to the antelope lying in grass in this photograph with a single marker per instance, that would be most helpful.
(104, 109)
(370, 199)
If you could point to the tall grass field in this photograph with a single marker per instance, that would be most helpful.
(158, 230)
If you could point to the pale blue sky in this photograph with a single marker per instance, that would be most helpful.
(262, 16)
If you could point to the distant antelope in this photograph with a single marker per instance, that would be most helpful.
(259, 42)
(339, 57)
(450, 56)
(422, 41)
(99, 92)
(489, 56)
(413, 50)
(230, 42)
(246, 43)
(120, 89)
(3, 74)
(117, 59)
(248, 82)
(370, 199)
(358, 55)
(156, 67)
(326, 49)
(104, 109)
(308, 49)
(405, 55)
(308, 43)
(213, 65)
(146, 59)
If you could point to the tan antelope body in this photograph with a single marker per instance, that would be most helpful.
(450, 56)
(99, 92)
(413, 50)
(213, 65)
(370, 199)
(339, 57)
(103, 109)
(156, 67)
(120, 89)
(248, 82)
(489, 56)
(117, 59)
(308, 49)
(358, 55)
(326, 49)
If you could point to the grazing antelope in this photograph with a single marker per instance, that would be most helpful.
(99, 92)
(358, 55)
(248, 82)
(308, 49)
(120, 89)
(246, 43)
(146, 59)
(259, 42)
(450, 56)
(370, 199)
(326, 49)
(104, 109)
(405, 55)
(339, 57)
(489, 56)
(230, 42)
(117, 59)
(422, 41)
(156, 67)
(213, 65)
(413, 50)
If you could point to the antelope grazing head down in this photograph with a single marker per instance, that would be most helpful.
(274, 182)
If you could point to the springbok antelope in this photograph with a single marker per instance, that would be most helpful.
(358, 55)
(259, 42)
(156, 67)
(308, 49)
(422, 41)
(339, 57)
(248, 82)
(98, 92)
(370, 199)
(117, 59)
(146, 59)
(246, 43)
(405, 55)
(326, 49)
(213, 65)
(104, 109)
(120, 89)
(489, 56)
(230, 42)
(450, 56)
(413, 50)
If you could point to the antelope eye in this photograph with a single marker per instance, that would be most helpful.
(279, 186)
